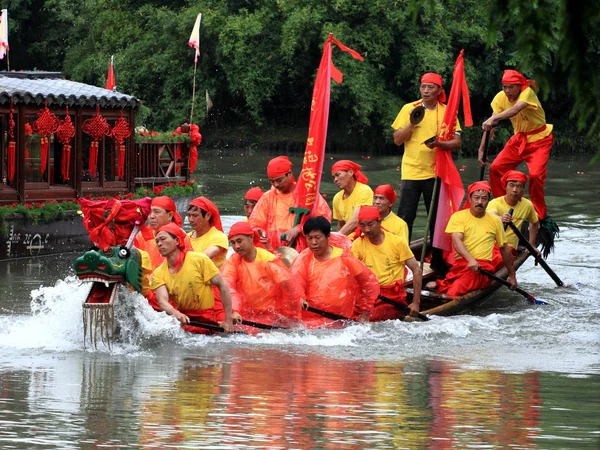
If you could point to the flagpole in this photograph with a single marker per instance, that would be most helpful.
(8, 60)
(429, 216)
(193, 92)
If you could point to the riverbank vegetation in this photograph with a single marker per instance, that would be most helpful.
(259, 58)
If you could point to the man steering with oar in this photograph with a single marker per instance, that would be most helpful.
(272, 215)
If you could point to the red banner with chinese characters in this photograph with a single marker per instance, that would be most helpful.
(452, 191)
(309, 181)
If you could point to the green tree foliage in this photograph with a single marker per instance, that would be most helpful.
(259, 57)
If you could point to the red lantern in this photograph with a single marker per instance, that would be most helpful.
(64, 134)
(46, 125)
(96, 127)
(120, 132)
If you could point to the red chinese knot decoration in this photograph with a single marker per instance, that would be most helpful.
(64, 134)
(120, 132)
(45, 125)
(96, 127)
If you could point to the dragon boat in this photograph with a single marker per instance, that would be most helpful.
(113, 261)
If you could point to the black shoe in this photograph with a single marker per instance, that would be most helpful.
(440, 268)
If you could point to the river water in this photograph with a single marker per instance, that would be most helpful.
(508, 375)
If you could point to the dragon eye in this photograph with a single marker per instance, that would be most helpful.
(109, 252)
(123, 253)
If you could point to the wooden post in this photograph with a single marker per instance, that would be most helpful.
(20, 156)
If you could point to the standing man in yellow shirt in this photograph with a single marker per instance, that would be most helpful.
(354, 193)
(384, 197)
(207, 231)
(531, 142)
(386, 255)
(474, 232)
(418, 161)
(522, 209)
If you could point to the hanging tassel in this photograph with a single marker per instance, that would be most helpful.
(121, 162)
(66, 161)
(177, 158)
(11, 160)
(93, 162)
(43, 155)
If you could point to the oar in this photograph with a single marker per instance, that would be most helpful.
(262, 326)
(510, 213)
(542, 262)
(212, 327)
(484, 158)
(530, 298)
(401, 306)
(327, 314)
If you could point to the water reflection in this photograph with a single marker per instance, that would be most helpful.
(278, 399)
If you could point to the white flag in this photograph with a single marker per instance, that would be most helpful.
(3, 33)
(195, 37)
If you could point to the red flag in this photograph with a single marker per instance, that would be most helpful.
(452, 191)
(111, 82)
(307, 187)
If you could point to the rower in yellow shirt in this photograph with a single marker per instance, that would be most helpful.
(522, 209)
(207, 232)
(386, 255)
(384, 197)
(354, 193)
(474, 233)
(184, 282)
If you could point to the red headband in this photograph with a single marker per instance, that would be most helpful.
(434, 78)
(208, 206)
(477, 186)
(182, 240)
(514, 175)
(279, 166)
(387, 191)
(244, 229)
(168, 205)
(177, 231)
(368, 213)
(345, 165)
(514, 77)
(254, 194)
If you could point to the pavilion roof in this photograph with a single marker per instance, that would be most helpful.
(37, 87)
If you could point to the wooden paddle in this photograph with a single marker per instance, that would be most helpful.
(327, 314)
(530, 298)
(486, 144)
(401, 306)
(262, 326)
(538, 258)
(212, 327)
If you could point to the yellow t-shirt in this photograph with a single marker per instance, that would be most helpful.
(146, 271)
(523, 211)
(528, 119)
(387, 260)
(362, 195)
(190, 288)
(264, 255)
(395, 225)
(479, 234)
(418, 161)
(211, 237)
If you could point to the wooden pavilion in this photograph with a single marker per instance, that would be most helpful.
(64, 140)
